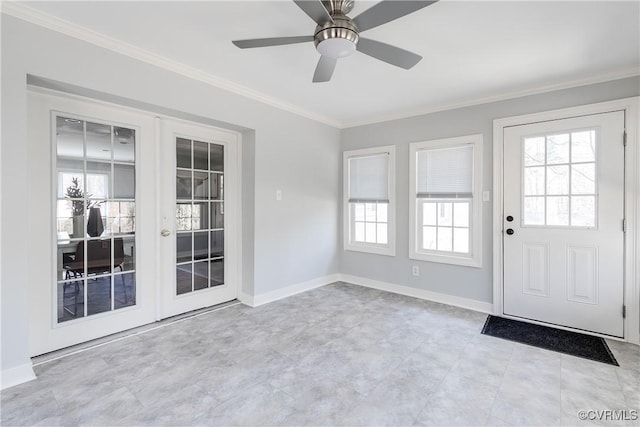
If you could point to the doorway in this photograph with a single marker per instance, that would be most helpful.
(563, 222)
(118, 184)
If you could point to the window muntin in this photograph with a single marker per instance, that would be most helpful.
(445, 201)
(559, 180)
(95, 218)
(370, 222)
(445, 225)
(369, 200)
(199, 215)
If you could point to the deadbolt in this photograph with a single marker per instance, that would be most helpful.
(509, 218)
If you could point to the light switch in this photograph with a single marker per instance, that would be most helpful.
(278, 195)
(486, 196)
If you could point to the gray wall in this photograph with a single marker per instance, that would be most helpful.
(284, 242)
(464, 282)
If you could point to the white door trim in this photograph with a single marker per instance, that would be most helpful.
(631, 107)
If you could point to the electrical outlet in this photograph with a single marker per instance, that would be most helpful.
(415, 270)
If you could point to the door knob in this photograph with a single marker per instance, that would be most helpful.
(510, 231)
(165, 233)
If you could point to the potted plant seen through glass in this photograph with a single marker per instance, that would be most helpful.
(77, 196)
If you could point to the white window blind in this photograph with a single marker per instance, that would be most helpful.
(445, 172)
(369, 178)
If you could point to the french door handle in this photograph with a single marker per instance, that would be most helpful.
(165, 233)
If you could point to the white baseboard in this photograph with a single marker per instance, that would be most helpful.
(16, 375)
(257, 300)
(481, 306)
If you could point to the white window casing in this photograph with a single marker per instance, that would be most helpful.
(445, 200)
(369, 208)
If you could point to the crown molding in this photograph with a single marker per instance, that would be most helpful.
(619, 74)
(26, 13)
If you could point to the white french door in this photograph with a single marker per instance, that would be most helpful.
(91, 215)
(107, 183)
(563, 230)
(197, 199)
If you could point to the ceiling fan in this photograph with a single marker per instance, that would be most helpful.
(337, 35)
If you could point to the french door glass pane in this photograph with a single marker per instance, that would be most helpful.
(95, 219)
(199, 221)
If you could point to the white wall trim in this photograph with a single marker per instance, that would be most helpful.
(21, 11)
(278, 294)
(631, 106)
(390, 248)
(16, 375)
(29, 14)
(469, 304)
(475, 258)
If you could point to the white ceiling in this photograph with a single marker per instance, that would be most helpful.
(473, 50)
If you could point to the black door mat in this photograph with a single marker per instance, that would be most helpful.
(572, 343)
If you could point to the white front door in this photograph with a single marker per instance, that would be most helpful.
(563, 229)
(198, 202)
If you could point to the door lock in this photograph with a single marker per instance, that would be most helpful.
(165, 233)
(510, 231)
(509, 218)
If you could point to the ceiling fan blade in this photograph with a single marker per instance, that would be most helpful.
(387, 11)
(315, 9)
(324, 69)
(275, 41)
(387, 53)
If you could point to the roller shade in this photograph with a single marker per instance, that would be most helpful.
(445, 172)
(369, 178)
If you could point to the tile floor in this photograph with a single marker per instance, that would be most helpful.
(337, 355)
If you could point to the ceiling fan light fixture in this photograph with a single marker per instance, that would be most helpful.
(336, 48)
(338, 36)
(338, 39)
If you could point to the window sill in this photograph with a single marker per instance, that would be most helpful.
(475, 262)
(376, 250)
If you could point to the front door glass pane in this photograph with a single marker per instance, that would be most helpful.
(559, 179)
(199, 215)
(95, 219)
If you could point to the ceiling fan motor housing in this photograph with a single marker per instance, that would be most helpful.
(336, 39)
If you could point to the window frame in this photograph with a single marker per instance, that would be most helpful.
(348, 221)
(474, 259)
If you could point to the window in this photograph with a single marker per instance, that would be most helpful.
(559, 180)
(445, 200)
(95, 218)
(369, 200)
